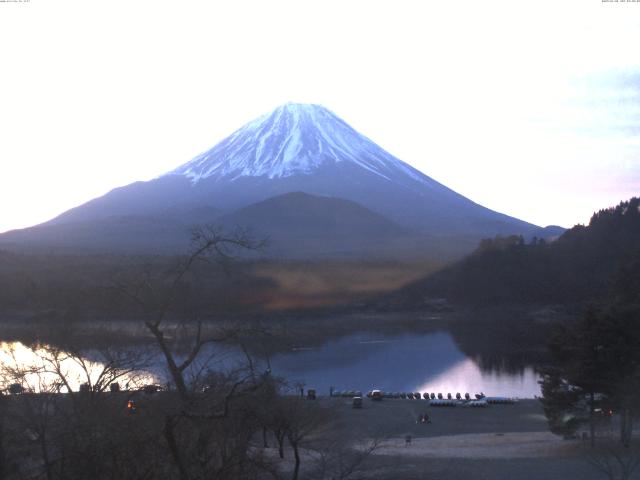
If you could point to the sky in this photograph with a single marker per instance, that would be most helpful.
(528, 108)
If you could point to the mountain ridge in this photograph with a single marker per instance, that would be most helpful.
(295, 148)
(359, 171)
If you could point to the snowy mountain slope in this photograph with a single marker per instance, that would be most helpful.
(295, 148)
(293, 139)
(302, 147)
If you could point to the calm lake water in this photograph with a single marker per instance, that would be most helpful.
(412, 362)
(426, 362)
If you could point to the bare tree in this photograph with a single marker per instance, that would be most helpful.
(341, 458)
(156, 299)
(314, 434)
(69, 425)
(203, 432)
(305, 420)
(614, 461)
(63, 430)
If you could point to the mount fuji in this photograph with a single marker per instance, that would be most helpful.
(297, 148)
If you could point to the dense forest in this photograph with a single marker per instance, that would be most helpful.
(579, 267)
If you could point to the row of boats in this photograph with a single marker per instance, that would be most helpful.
(478, 402)
(435, 399)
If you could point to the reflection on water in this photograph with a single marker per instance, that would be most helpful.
(466, 376)
(427, 362)
(412, 362)
(44, 368)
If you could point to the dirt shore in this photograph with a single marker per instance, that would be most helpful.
(397, 418)
(482, 445)
(502, 442)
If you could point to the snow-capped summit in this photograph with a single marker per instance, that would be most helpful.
(295, 138)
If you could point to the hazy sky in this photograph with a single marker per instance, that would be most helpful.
(531, 108)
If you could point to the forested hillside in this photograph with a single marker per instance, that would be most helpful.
(581, 266)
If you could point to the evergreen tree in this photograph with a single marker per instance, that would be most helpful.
(596, 362)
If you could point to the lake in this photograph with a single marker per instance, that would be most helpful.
(424, 362)
(429, 362)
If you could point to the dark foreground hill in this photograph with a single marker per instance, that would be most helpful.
(296, 226)
(299, 224)
(581, 266)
